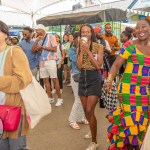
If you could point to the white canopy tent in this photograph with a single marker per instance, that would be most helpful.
(26, 12)
(30, 7)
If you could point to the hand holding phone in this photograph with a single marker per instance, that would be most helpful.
(95, 56)
(84, 39)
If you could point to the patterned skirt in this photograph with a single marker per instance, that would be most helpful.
(127, 128)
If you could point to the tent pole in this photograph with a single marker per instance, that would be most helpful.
(60, 33)
(120, 28)
(113, 27)
(32, 15)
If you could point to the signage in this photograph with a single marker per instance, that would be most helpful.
(135, 17)
(142, 17)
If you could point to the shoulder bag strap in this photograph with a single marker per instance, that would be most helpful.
(44, 39)
(40, 52)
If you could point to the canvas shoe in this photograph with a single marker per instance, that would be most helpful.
(88, 135)
(59, 102)
(92, 146)
(51, 100)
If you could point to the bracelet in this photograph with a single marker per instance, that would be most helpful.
(109, 79)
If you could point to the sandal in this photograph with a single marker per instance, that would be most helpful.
(84, 121)
(75, 126)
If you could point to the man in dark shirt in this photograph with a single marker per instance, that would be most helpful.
(113, 42)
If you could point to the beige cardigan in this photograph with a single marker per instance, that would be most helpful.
(16, 76)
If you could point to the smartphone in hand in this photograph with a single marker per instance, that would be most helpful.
(84, 38)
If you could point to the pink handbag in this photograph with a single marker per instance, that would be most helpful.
(10, 116)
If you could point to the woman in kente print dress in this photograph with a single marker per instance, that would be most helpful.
(130, 120)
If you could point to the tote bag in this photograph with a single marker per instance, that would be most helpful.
(36, 102)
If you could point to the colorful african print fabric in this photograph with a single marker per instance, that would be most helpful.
(130, 120)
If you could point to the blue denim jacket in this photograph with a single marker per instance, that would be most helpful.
(73, 58)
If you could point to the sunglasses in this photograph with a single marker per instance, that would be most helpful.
(24, 34)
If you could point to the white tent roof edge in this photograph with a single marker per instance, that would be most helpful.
(138, 12)
(22, 5)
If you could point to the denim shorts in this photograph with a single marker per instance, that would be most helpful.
(89, 83)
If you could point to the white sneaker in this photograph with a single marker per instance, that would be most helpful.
(88, 135)
(64, 81)
(51, 100)
(53, 91)
(92, 146)
(59, 102)
(69, 85)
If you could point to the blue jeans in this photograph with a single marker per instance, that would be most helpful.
(14, 144)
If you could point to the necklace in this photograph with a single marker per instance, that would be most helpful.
(1, 63)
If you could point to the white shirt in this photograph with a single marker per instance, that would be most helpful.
(2, 94)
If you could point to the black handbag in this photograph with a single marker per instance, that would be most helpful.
(109, 100)
(76, 77)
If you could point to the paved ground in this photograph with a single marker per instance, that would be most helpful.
(54, 132)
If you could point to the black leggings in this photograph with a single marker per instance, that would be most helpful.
(59, 74)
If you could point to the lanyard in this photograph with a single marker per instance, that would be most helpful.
(3, 57)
